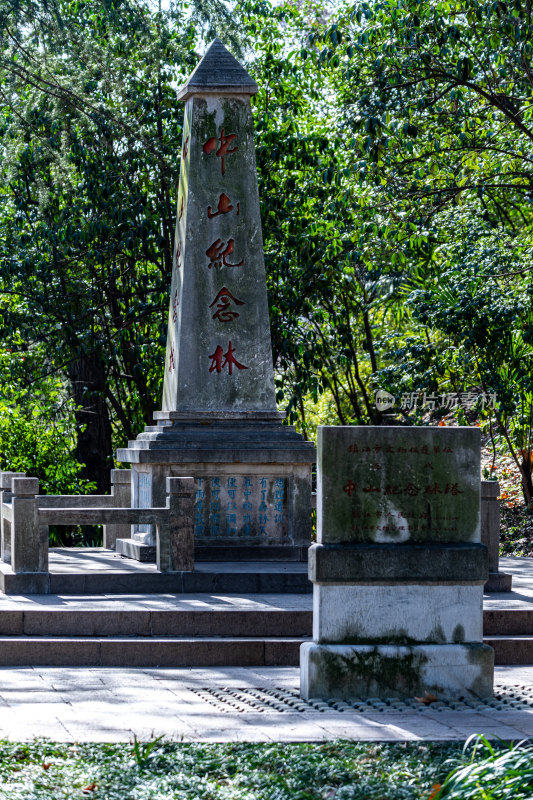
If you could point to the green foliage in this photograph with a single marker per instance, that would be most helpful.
(346, 770)
(435, 104)
(38, 433)
(325, 303)
(91, 141)
(491, 774)
(394, 149)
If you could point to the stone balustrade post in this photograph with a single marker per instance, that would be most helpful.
(5, 525)
(29, 541)
(490, 536)
(175, 538)
(121, 491)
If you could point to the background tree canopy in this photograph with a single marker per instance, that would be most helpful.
(394, 146)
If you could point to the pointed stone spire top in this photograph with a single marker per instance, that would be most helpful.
(218, 73)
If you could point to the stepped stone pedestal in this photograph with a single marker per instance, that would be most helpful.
(398, 569)
(219, 421)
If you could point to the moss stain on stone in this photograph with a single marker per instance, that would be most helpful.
(458, 635)
(392, 674)
(398, 637)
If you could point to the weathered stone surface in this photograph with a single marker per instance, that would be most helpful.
(218, 351)
(29, 538)
(490, 536)
(6, 495)
(218, 72)
(175, 537)
(350, 671)
(382, 563)
(219, 405)
(245, 504)
(398, 570)
(219, 418)
(400, 614)
(121, 493)
(395, 484)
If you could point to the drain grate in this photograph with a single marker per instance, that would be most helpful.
(272, 701)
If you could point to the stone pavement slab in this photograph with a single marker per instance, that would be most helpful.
(202, 705)
(521, 595)
(157, 602)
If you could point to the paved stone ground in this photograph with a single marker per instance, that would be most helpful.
(238, 704)
(81, 704)
(75, 559)
(522, 593)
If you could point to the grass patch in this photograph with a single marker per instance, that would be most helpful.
(493, 773)
(164, 770)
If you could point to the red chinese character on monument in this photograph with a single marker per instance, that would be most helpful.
(229, 360)
(224, 150)
(411, 490)
(371, 488)
(223, 299)
(217, 254)
(171, 360)
(178, 255)
(224, 206)
(175, 305)
(349, 488)
(453, 489)
(435, 489)
(181, 210)
(185, 147)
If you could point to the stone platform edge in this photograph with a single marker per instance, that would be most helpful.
(406, 563)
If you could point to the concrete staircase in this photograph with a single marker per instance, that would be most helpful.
(114, 612)
(167, 637)
(510, 633)
(135, 635)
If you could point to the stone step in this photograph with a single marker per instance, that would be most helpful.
(508, 621)
(511, 649)
(200, 651)
(76, 622)
(131, 621)
(134, 578)
(114, 651)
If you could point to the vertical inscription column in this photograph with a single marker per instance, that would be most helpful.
(219, 355)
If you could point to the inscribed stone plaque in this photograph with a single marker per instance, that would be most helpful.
(395, 484)
(241, 507)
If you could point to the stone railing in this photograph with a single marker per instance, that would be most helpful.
(26, 517)
(490, 537)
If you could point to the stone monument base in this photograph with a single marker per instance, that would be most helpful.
(252, 499)
(348, 671)
(145, 553)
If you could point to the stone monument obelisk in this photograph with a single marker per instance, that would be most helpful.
(219, 421)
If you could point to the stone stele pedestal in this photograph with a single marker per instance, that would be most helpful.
(398, 568)
(219, 421)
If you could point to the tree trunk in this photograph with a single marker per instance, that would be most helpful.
(94, 448)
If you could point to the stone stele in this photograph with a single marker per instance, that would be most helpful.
(219, 421)
(394, 484)
(398, 568)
